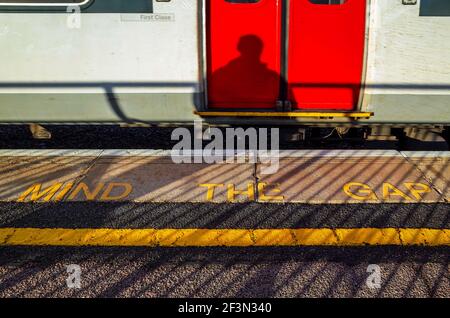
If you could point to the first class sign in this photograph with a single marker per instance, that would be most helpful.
(151, 17)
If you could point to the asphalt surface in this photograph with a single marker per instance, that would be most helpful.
(127, 215)
(224, 272)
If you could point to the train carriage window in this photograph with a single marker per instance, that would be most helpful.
(87, 6)
(43, 2)
(34, 4)
(243, 1)
(435, 8)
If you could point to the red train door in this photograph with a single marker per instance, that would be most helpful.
(326, 52)
(243, 53)
(247, 60)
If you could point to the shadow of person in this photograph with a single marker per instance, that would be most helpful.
(245, 82)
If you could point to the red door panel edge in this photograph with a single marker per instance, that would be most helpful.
(326, 52)
(243, 53)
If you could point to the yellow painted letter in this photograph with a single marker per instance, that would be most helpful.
(90, 196)
(211, 190)
(262, 188)
(106, 196)
(390, 191)
(362, 193)
(37, 194)
(417, 189)
(232, 192)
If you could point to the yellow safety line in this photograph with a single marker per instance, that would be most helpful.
(223, 237)
(287, 114)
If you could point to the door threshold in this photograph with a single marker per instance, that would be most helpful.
(292, 114)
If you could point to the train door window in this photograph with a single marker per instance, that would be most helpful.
(328, 1)
(243, 1)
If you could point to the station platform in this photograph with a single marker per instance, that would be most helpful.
(144, 198)
(314, 177)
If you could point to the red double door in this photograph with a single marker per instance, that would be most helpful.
(299, 53)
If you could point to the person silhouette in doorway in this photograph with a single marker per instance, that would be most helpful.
(246, 81)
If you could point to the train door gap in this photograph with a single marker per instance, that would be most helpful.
(284, 58)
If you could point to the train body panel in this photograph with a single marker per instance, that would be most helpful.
(112, 67)
(408, 62)
(135, 65)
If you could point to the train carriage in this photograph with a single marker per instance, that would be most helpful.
(342, 63)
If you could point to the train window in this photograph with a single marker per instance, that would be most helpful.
(87, 6)
(434, 8)
(312, 1)
(43, 2)
(328, 1)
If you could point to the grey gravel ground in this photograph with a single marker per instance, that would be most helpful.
(224, 272)
(222, 216)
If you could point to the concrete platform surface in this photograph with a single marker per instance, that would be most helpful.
(319, 176)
